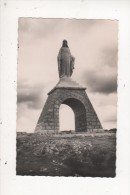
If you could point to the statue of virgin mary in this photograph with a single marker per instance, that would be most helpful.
(65, 61)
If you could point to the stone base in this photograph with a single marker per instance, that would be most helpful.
(46, 131)
(76, 98)
(89, 131)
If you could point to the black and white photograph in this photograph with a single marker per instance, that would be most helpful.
(67, 97)
(64, 97)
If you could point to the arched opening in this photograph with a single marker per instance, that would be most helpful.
(77, 100)
(66, 118)
(79, 113)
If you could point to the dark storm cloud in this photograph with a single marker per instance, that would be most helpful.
(31, 96)
(97, 82)
(104, 78)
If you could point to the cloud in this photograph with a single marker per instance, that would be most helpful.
(32, 29)
(110, 115)
(31, 96)
(113, 120)
(110, 56)
(103, 78)
(106, 113)
(27, 118)
(41, 27)
(101, 83)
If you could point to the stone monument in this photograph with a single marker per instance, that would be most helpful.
(69, 92)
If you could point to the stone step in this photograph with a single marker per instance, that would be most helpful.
(69, 83)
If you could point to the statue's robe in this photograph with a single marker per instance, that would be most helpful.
(65, 62)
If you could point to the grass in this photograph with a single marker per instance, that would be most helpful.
(81, 155)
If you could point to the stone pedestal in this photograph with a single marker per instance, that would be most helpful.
(72, 94)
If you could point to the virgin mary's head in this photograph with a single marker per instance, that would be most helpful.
(64, 44)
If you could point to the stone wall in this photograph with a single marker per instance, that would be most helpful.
(85, 116)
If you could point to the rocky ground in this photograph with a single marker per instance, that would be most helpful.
(67, 154)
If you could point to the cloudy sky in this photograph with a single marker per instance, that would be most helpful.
(94, 44)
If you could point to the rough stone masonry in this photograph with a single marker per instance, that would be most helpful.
(69, 92)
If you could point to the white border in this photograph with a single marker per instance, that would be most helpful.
(12, 184)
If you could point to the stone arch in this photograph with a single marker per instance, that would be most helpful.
(79, 112)
(77, 99)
